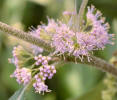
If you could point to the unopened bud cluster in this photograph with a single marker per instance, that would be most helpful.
(45, 72)
(42, 60)
(25, 74)
(22, 74)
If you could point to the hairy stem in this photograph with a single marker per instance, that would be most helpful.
(103, 65)
(25, 36)
(96, 62)
(81, 12)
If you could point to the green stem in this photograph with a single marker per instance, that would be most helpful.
(25, 36)
(96, 62)
(80, 14)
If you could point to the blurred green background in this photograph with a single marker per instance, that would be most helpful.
(72, 81)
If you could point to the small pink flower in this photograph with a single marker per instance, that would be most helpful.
(23, 75)
(40, 87)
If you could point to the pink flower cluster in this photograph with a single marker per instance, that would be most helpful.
(45, 71)
(100, 28)
(62, 40)
(15, 55)
(42, 59)
(39, 85)
(66, 40)
(22, 75)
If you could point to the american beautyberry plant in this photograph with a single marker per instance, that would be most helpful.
(70, 39)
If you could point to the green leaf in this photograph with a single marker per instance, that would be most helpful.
(94, 94)
(42, 2)
(31, 95)
(19, 95)
(75, 80)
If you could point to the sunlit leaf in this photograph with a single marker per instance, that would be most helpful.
(42, 2)
(94, 94)
(75, 80)
(20, 94)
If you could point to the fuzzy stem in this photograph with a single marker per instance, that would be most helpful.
(81, 12)
(25, 36)
(103, 65)
(98, 63)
